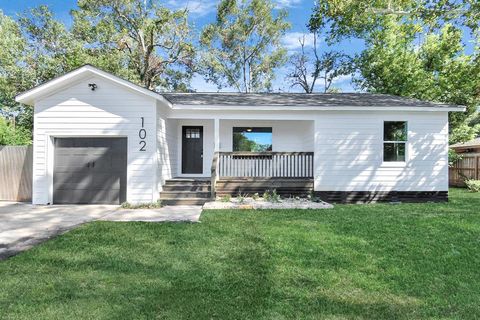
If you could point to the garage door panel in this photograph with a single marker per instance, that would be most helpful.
(72, 160)
(82, 196)
(90, 170)
(105, 197)
(67, 180)
(105, 181)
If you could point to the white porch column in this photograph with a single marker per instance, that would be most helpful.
(216, 130)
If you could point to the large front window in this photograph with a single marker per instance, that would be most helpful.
(394, 141)
(252, 139)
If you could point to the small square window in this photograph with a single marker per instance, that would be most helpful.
(395, 131)
(395, 136)
(192, 133)
(393, 152)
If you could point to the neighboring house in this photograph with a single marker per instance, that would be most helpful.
(468, 165)
(101, 139)
(472, 146)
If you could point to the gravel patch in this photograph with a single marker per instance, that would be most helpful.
(250, 203)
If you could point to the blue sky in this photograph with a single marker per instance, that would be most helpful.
(202, 13)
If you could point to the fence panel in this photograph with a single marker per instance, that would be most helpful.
(466, 168)
(16, 164)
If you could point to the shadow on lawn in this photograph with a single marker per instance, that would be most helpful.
(152, 281)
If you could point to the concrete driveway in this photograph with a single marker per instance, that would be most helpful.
(24, 225)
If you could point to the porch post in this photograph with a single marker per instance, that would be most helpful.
(216, 130)
(214, 170)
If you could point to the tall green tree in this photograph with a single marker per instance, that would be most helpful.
(35, 49)
(309, 69)
(152, 44)
(242, 48)
(412, 48)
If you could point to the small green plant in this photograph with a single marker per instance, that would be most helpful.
(255, 196)
(453, 157)
(241, 197)
(145, 205)
(226, 198)
(473, 185)
(271, 196)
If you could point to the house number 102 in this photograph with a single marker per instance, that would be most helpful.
(142, 134)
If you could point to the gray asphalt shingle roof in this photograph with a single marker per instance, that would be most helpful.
(297, 100)
(471, 143)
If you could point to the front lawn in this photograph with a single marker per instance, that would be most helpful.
(409, 261)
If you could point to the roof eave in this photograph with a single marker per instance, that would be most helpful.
(317, 108)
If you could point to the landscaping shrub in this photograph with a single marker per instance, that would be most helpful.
(271, 196)
(226, 198)
(473, 185)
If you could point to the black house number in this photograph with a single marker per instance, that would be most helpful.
(142, 134)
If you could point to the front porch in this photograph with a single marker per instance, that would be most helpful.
(240, 156)
(289, 173)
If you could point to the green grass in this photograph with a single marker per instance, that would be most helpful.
(409, 261)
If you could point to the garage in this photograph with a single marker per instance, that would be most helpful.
(90, 170)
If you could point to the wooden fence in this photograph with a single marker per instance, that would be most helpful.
(16, 164)
(466, 168)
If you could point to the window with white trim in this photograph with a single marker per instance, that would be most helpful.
(395, 137)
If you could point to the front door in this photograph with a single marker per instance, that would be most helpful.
(192, 150)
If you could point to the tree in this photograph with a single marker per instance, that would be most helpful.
(242, 48)
(14, 72)
(37, 48)
(151, 43)
(413, 48)
(327, 67)
(11, 134)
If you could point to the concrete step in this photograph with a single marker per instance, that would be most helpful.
(184, 201)
(184, 194)
(182, 187)
(180, 181)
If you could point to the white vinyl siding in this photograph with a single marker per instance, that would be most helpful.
(349, 152)
(110, 110)
(167, 146)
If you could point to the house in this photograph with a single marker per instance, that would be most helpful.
(468, 165)
(472, 146)
(101, 139)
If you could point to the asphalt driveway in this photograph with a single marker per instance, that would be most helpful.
(24, 225)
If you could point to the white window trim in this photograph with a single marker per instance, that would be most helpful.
(395, 164)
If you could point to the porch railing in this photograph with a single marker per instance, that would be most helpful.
(265, 164)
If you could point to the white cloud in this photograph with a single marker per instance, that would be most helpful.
(281, 4)
(195, 7)
(291, 40)
(344, 79)
(199, 84)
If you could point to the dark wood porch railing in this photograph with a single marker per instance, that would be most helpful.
(265, 164)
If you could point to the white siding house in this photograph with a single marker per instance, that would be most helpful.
(87, 122)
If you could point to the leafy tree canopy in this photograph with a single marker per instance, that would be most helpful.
(242, 48)
(413, 48)
(151, 43)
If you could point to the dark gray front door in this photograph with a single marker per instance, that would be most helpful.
(192, 150)
(90, 170)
